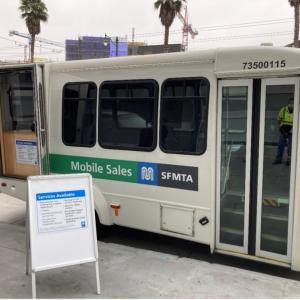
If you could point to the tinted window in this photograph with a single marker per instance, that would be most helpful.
(127, 113)
(184, 111)
(79, 114)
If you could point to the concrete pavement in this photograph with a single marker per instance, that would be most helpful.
(135, 264)
(12, 210)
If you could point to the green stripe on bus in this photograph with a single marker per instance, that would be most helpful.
(110, 169)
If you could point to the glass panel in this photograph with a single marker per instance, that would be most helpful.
(184, 116)
(233, 165)
(142, 90)
(174, 88)
(71, 91)
(79, 114)
(80, 91)
(276, 171)
(128, 115)
(79, 123)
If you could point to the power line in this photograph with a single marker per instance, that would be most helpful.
(234, 37)
(223, 27)
(13, 41)
(8, 48)
(36, 46)
(248, 24)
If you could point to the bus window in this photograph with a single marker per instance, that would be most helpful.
(127, 115)
(21, 108)
(184, 111)
(79, 114)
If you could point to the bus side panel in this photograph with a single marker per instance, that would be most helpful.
(142, 206)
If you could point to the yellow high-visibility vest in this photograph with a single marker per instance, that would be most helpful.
(285, 117)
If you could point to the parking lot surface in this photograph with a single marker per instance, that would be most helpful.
(136, 264)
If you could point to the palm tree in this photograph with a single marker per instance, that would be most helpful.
(296, 5)
(167, 13)
(33, 12)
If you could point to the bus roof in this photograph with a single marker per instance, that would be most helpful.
(225, 62)
(206, 56)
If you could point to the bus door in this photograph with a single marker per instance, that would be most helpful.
(256, 166)
(18, 131)
(41, 119)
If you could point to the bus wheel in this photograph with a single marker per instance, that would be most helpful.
(102, 230)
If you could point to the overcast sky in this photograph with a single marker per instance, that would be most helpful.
(69, 19)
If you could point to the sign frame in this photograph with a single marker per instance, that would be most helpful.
(88, 254)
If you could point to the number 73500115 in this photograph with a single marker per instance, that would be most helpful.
(253, 65)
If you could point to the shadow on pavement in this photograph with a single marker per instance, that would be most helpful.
(182, 248)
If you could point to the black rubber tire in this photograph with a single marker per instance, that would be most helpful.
(102, 230)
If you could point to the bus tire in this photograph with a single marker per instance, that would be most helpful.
(101, 230)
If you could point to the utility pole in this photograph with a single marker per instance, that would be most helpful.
(25, 53)
(117, 46)
(133, 47)
(29, 49)
(133, 34)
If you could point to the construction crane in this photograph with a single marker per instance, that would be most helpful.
(19, 44)
(41, 40)
(38, 39)
(187, 28)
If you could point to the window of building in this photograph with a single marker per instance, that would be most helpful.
(184, 113)
(79, 114)
(128, 115)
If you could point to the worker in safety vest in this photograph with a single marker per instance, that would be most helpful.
(285, 120)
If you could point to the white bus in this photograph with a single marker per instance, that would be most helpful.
(178, 144)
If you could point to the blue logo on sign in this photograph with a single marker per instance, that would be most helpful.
(147, 173)
(82, 224)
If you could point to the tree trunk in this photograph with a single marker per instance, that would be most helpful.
(166, 44)
(32, 47)
(296, 32)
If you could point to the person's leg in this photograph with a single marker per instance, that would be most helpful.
(289, 148)
(280, 149)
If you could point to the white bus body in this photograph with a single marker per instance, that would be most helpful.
(196, 164)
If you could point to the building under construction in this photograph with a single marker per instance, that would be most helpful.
(87, 47)
(136, 48)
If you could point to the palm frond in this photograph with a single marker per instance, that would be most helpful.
(33, 12)
(167, 13)
(294, 2)
(158, 3)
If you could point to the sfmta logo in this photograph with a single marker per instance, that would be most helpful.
(147, 174)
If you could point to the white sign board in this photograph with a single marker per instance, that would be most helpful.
(26, 152)
(62, 221)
